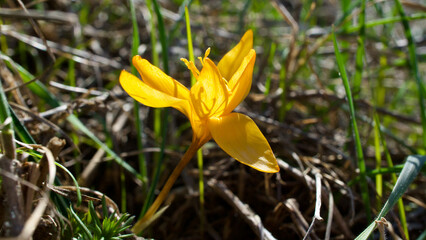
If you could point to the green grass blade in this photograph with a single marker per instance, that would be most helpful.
(382, 21)
(394, 179)
(242, 16)
(176, 26)
(36, 86)
(200, 151)
(135, 34)
(366, 233)
(346, 8)
(189, 39)
(136, 112)
(359, 63)
(77, 186)
(382, 140)
(347, 11)
(422, 236)
(41, 91)
(136, 105)
(123, 191)
(80, 223)
(79, 125)
(157, 114)
(4, 109)
(153, 35)
(411, 168)
(165, 59)
(378, 155)
(358, 146)
(201, 180)
(414, 68)
(384, 170)
(94, 216)
(163, 37)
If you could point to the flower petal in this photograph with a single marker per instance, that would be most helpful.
(209, 95)
(229, 64)
(149, 96)
(201, 133)
(158, 80)
(240, 82)
(239, 136)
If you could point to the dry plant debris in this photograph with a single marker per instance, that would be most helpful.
(60, 63)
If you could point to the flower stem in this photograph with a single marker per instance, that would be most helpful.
(140, 225)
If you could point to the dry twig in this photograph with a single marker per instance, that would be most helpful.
(251, 218)
(336, 213)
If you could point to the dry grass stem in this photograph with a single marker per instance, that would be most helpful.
(250, 217)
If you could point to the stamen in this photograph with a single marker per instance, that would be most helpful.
(207, 53)
(226, 85)
(201, 60)
(191, 66)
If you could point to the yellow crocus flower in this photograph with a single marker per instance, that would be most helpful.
(208, 105)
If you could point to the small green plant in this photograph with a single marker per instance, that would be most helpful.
(90, 226)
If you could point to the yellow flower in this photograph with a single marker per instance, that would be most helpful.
(208, 105)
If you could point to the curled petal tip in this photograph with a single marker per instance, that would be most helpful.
(136, 59)
(229, 64)
(248, 34)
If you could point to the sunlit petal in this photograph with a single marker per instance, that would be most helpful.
(158, 80)
(240, 82)
(209, 95)
(239, 136)
(149, 96)
(232, 60)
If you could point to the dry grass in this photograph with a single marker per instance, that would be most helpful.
(89, 43)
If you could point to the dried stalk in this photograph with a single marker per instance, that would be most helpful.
(13, 206)
(251, 218)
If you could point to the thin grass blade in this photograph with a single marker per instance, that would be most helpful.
(4, 108)
(41, 91)
(378, 155)
(359, 63)
(80, 223)
(411, 168)
(200, 151)
(77, 186)
(165, 60)
(393, 177)
(136, 105)
(358, 146)
(414, 68)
